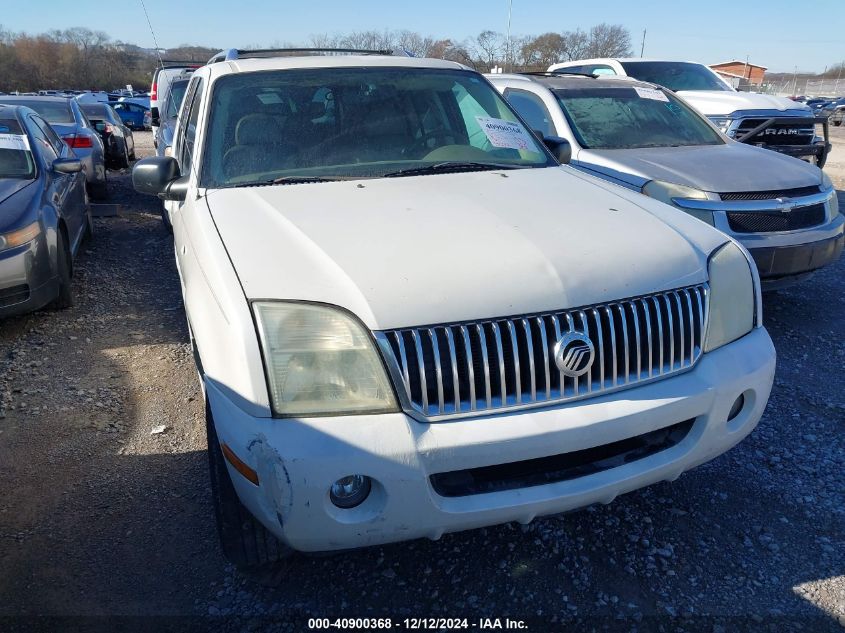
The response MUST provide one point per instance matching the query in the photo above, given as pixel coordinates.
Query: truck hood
(422, 250)
(723, 102)
(718, 168)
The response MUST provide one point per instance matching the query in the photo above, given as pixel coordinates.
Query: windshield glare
(675, 75)
(15, 160)
(625, 118)
(358, 123)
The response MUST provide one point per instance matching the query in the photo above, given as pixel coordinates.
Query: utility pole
(642, 48)
(795, 82)
(839, 74)
(508, 63)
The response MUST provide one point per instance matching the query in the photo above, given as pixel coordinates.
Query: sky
(781, 35)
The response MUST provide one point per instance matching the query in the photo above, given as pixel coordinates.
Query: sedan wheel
(65, 270)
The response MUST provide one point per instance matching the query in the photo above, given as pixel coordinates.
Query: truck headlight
(721, 122)
(320, 361)
(732, 297)
(668, 191)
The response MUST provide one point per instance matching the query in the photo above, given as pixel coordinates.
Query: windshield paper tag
(508, 134)
(652, 93)
(14, 141)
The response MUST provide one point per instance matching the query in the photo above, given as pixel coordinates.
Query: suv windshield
(359, 123)
(15, 156)
(174, 99)
(631, 117)
(675, 75)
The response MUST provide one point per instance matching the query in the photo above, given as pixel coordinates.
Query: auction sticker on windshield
(14, 141)
(652, 93)
(502, 133)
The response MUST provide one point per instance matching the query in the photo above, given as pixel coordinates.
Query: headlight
(732, 298)
(19, 237)
(721, 122)
(320, 361)
(668, 191)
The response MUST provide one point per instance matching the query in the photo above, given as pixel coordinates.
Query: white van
(162, 77)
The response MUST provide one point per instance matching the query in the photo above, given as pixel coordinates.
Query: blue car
(134, 115)
(44, 214)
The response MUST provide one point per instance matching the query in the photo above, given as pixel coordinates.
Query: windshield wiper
(446, 167)
(295, 180)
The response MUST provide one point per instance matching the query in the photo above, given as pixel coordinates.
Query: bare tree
(488, 49)
(538, 53)
(609, 40)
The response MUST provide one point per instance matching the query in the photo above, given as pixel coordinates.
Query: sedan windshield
(57, 112)
(632, 117)
(337, 123)
(15, 155)
(675, 75)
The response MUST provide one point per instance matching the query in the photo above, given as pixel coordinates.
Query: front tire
(244, 540)
(64, 266)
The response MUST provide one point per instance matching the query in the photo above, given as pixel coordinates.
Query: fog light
(737, 407)
(350, 491)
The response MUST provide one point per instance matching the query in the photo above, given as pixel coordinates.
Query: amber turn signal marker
(240, 466)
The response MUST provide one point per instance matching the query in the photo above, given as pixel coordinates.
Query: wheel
(245, 542)
(64, 266)
(838, 122)
(100, 190)
(132, 153)
(124, 162)
(89, 226)
(165, 219)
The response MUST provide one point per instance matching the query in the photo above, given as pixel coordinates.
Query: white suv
(409, 320)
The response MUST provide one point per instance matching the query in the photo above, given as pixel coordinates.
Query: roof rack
(556, 73)
(234, 53)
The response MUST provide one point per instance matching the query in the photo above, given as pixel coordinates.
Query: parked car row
(44, 213)
(421, 300)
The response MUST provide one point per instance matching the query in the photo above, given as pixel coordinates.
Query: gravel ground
(103, 517)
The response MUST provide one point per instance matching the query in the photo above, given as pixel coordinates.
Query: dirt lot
(102, 517)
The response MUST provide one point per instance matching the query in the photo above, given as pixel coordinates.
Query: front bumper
(297, 460)
(782, 257)
(27, 280)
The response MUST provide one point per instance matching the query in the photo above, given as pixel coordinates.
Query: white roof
(255, 64)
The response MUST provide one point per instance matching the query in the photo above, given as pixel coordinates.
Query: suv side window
(188, 125)
(531, 108)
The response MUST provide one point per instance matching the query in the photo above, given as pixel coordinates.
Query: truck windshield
(632, 117)
(15, 157)
(359, 123)
(675, 75)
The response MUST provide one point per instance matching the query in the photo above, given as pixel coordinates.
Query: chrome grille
(771, 194)
(461, 369)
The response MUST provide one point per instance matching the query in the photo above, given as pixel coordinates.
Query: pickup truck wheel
(245, 542)
(838, 123)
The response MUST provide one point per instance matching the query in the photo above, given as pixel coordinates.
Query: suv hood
(718, 168)
(420, 250)
(724, 102)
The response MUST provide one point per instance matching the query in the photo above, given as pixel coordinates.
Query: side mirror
(159, 176)
(559, 147)
(67, 165)
(155, 118)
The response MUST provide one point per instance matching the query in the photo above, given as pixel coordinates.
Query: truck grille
(776, 134)
(499, 364)
(763, 222)
(770, 195)
(13, 295)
